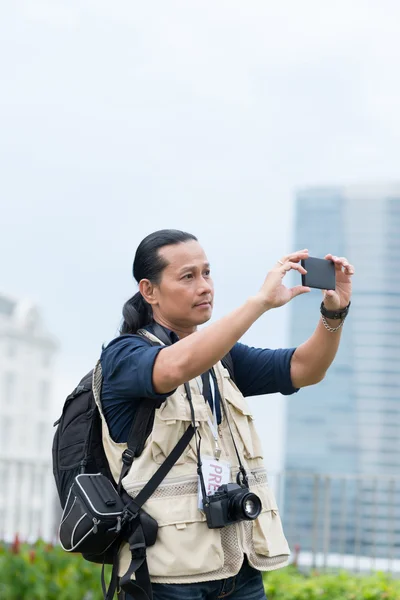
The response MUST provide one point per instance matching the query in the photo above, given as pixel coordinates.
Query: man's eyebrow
(191, 267)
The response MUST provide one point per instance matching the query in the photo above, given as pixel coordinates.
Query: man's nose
(205, 286)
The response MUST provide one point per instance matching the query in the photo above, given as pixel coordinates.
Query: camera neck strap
(198, 444)
(242, 475)
(208, 391)
(210, 380)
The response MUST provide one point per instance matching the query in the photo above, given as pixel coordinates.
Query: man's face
(185, 294)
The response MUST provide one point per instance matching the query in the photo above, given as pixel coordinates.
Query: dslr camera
(231, 503)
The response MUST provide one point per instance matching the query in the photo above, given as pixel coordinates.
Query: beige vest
(186, 550)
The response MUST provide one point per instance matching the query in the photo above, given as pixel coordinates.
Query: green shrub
(290, 584)
(44, 572)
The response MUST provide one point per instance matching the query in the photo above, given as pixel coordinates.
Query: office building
(349, 424)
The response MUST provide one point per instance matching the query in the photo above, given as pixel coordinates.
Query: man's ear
(148, 291)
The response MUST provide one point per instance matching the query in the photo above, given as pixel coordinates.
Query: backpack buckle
(129, 515)
(127, 457)
(138, 550)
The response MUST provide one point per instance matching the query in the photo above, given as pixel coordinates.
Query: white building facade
(27, 351)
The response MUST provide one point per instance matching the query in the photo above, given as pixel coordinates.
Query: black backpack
(78, 446)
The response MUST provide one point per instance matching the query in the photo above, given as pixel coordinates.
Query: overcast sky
(119, 118)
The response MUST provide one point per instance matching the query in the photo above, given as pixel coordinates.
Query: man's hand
(273, 293)
(340, 297)
(312, 359)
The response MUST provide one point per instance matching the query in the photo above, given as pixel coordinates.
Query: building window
(5, 433)
(42, 438)
(11, 349)
(9, 388)
(46, 359)
(44, 395)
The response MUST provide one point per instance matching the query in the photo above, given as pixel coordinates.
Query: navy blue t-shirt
(127, 365)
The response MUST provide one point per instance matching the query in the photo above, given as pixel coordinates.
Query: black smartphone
(320, 274)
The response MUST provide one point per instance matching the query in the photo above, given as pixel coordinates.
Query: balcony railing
(349, 521)
(28, 505)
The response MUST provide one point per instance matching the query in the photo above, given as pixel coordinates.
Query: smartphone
(320, 274)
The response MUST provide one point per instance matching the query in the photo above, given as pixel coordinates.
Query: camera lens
(245, 506)
(250, 508)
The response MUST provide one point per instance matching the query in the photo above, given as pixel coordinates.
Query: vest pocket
(268, 537)
(171, 422)
(185, 546)
(243, 420)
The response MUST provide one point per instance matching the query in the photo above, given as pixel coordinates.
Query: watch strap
(335, 314)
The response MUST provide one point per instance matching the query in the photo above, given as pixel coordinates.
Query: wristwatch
(335, 314)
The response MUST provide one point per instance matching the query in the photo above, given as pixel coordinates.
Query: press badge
(215, 473)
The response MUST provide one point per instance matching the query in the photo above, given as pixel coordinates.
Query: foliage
(44, 572)
(290, 584)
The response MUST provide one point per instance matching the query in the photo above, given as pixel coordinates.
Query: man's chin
(201, 319)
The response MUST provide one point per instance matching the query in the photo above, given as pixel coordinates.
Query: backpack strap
(160, 333)
(227, 362)
(136, 504)
(140, 589)
(141, 427)
(142, 424)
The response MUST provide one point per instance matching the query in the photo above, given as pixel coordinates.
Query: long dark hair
(148, 264)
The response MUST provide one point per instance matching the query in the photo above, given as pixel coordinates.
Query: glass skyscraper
(349, 424)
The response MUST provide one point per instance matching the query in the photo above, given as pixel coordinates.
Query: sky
(121, 118)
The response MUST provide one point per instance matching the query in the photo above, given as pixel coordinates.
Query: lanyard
(213, 425)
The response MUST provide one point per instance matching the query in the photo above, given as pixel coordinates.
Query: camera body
(230, 504)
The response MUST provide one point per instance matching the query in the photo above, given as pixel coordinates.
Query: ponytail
(137, 313)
